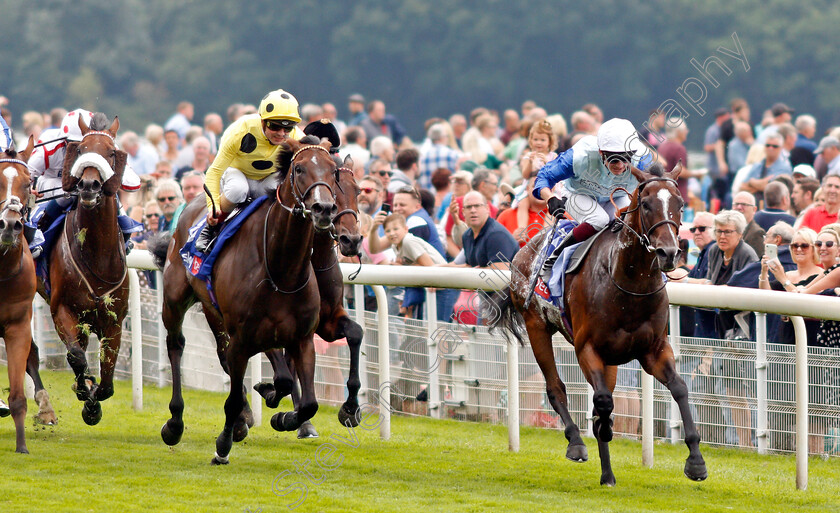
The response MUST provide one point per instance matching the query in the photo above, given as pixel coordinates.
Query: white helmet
(619, 136)
(70, 124)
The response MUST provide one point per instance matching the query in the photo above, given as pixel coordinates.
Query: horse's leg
(46, 414)
(175, 304)
(66, 324)
(237, 363)
(306, 429)
(602, 379)
(304, 360)
(349, 414)
(17, 351)
(662, 367)
(554, 386)
(283, 381)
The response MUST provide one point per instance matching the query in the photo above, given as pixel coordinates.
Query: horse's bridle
(346, 210)
(113, 162)
(299, 208)
(16, 206)
(644, 238)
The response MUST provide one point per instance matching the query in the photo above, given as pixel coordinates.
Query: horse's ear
(71, 153)
(675, 173)
(83, 126)
(24, 155)
(348, 162)
(326, 144)
(113, 184)
(115, 127)
(640, 175)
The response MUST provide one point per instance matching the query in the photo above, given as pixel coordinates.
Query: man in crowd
(803, 150)
(169, 199)
(753, 234)
(773, 165)
(141, 158)
(180, 121)
(486, 243)
(356, 106)
(370, 195)
(438, 155)
(803, 191)
(829, 148)
(213, 128)
(776, 206)
(201, 157)
(817, 217)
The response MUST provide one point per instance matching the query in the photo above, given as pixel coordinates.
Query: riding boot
(208, 234)
(545, 272)
(129, 244)
(29, 233)
(51, 213)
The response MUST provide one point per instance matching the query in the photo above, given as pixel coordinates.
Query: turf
(427, 466)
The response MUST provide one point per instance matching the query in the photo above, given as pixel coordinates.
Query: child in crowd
(541, 140)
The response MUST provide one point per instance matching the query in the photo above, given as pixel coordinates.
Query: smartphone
(386, 208)
(771, 250)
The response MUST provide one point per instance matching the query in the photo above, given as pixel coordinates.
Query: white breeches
(236, 187)
(586, 209)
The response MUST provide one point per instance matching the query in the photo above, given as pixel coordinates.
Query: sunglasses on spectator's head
(701, 229)
(828, 243)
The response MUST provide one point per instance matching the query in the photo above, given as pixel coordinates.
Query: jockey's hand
(556, 206)
(211, 219)
(35, 193)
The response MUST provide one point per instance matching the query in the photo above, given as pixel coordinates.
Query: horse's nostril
(333, 210)
(2, 224)
(18, 226)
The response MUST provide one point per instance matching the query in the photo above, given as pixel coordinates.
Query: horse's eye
(298, 169)
(645, 205)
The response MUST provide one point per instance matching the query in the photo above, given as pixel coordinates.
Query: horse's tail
(158, 245)
(498, 311)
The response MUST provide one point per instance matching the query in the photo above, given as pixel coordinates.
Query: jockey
(244, 165)
(591, 170)
(47, 162)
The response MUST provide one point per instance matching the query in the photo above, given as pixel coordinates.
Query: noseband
(299, 208)
(646, 233)
(346, 210)
(15, 204)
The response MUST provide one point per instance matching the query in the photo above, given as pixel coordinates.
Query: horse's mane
(284, 157)
(10, 153)
(99, 122)
(656, 169)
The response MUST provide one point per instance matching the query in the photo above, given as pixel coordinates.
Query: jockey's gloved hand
(557, 206)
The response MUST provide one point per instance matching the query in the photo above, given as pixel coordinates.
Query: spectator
(730, 253)
(486, 243)
(779, 115)
(407, 203)
(371, 195)
(485, 148)
(443, 193)
(829, 149)
(674, 152)
(407, 167)
(382, 148)
(169, 198)
(820, 215)
(309, 113)
(828, 247)
(752, 233)
(773, 165)
(596, 113)
(331, 113)
(136, 213)
(776, 206)
(154, 136)
(459, 125)
(739, 146)
(356, 106)
(192, 185)
(511, 130)
(715, 163)
(379, 123)
(453, 221)
(803, 150)
(213, 128)
(356, 147)
(803, 191)
(524, 230)
(202, 158)
(541, 142)
(142, 159)
(486, 183)
(172, 141)
(652, 129)
(382, 169)
(439, 155)
(583, 122)
(180, 121)
(703, 235)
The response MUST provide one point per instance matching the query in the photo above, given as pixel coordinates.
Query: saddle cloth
(200, 264)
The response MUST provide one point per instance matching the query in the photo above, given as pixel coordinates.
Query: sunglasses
(167, 198)
(772, 146)
(276, 126)
(801, 247)
(152, 216)
(743, 205)
(618, 156)
(368, 190)
(384, 172)
(701, 229)
(827, 243)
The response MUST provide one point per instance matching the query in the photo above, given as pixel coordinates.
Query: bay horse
(17, 278)
(334, 323)
(88, 275)
(617, 309)
(263, 287)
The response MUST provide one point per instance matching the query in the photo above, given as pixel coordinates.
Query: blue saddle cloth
(553, 293)
(200, 264)
(49, 237)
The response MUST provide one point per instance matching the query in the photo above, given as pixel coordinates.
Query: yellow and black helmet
(279, 105)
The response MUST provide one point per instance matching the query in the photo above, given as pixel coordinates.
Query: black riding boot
(545, 272)
(206, 237)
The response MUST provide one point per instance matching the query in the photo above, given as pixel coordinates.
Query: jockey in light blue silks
(591, 170)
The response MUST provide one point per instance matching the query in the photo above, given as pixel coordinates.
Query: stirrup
(545, 272)
(205, 239)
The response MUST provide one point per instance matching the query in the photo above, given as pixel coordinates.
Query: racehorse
(17, 278)
(334, 323)
(617, 309)
(88, 276)
(263, 287)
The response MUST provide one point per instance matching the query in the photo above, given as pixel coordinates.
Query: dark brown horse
(87, 269)
(618, 312)
(334, 323)
(264, 289)
(17, 279)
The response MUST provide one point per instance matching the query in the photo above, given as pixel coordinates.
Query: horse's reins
(298, 209)
(645, 238)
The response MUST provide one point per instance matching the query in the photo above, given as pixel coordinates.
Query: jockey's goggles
(617, 156)
(276, 125)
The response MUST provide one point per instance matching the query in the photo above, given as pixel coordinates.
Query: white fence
(745, 398)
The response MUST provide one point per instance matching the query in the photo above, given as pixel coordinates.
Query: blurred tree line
(138, 58)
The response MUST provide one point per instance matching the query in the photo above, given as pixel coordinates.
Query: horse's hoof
(348, 417)
(696, 471)
(218, 460)
(278, 421)
(240, 431)
(577, 453)
(101, 393)
(608, 480)
(264, 388)
(46, 418)
(307, 430)
(171, 432)
(91, 413)
(22, 450)
(81, 393)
